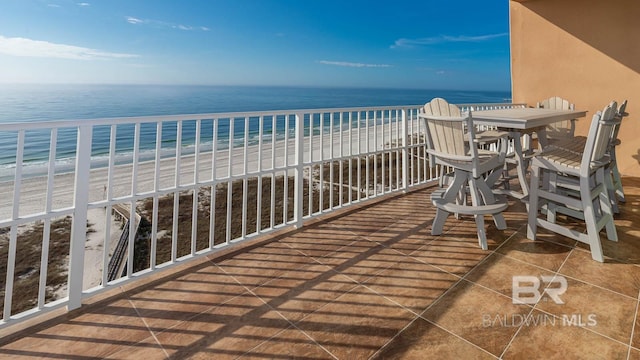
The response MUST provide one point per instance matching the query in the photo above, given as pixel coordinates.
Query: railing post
(299, 171)
(80, 208)
(405, 150)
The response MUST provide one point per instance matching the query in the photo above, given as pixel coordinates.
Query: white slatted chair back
(599, 139)
(440, 107)
(619, 115)
(616, 193)
(560, 129)
(446, 129)
(447, 135)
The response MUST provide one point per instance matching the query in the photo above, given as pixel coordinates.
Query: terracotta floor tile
(470, 312)
(466, 230)
(361, 259)
(548, 341)
(293, 299)
(262, 264)
(356, 250)
(612, 275)
(403, 235)
(355, 325)
(319, 240)
(516, 214)
(163, 305)
(412, 284)
(453, 255)
(544, 235)
(148, 349)
(363, 224)
(635, 340)
(497, 272)
(600, 310)
(411, 240)
(627, 248)
(99, 332)
(540, 253)
(424, 340)
(226, 331)
(288, 344)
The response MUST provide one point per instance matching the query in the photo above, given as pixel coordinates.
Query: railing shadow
(349, 282)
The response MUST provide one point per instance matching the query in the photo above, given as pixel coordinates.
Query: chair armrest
(490, 136)
(449, 156)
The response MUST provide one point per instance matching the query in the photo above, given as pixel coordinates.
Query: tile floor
(369, 283)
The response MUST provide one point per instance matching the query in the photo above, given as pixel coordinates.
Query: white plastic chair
(592, 202)
(452, 143)
(562, 129)
(613, 180)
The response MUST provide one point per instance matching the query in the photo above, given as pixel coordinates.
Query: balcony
(346, 274)
(368, 281)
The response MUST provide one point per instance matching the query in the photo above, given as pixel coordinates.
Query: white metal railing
(198, 182)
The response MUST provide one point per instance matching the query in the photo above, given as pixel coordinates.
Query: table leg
(521, 162)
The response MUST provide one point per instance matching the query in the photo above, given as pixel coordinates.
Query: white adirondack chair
(452, 143)
(613, 180)
(588, 168)
(562, 129)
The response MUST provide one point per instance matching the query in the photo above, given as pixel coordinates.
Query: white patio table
(523, 121)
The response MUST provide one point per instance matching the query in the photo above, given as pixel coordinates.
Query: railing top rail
(27, 125)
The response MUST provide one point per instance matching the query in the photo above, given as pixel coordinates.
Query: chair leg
(611, 190)
(450, 195)
(461, 199)
(475, 201)
(590, 219)
(617, 181)
(505, 176)
(550, 180)
(606, 206)
(489, 198)
(438, 221)
(533, 203)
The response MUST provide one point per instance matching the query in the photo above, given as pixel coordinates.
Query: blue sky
(427, 44)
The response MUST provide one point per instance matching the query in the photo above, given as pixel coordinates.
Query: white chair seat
(486, 161)
(562, 157)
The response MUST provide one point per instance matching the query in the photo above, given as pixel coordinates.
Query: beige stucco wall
(587, 51)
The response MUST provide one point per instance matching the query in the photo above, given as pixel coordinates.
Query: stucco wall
(587, 51)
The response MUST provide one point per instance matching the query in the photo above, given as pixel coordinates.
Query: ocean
(32, 103)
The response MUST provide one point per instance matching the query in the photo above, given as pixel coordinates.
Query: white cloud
(83, 4)
(353, 64)
(18, 46)
(406, 43)
(132, 20)
(53, 5)
(158, 23)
